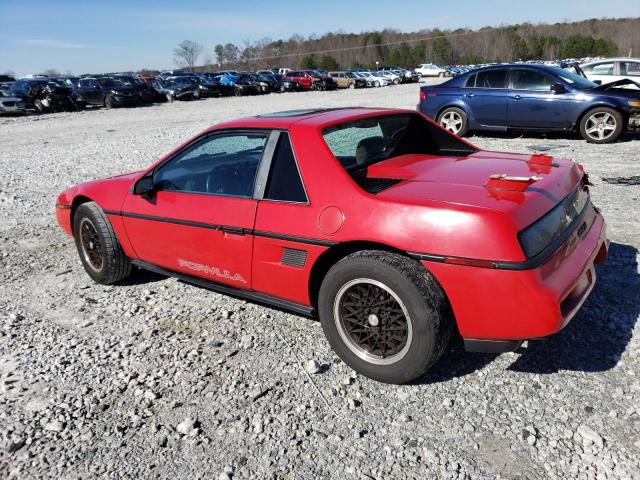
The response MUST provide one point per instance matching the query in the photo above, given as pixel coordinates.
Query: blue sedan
(532, 97)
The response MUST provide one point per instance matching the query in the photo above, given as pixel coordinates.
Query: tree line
(335, 50)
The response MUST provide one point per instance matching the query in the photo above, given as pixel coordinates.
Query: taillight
(422, 95)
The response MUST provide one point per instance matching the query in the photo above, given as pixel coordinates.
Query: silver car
(10, 104)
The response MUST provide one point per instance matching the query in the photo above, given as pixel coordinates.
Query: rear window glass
(359, 143)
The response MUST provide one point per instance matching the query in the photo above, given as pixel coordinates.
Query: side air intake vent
(293, 257)
(376, 185)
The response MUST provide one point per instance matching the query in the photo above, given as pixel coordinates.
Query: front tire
(100, 252)
(454, 120)
(601, 125)
(108, 102)
(384, 315)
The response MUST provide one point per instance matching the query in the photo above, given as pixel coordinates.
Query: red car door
(302, 78)
(199, 217)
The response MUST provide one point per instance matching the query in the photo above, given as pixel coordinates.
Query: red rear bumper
(492, 304)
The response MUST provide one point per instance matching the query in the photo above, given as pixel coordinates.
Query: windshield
(107, 82)
(572, 78)
(361, 143)
(128, 81)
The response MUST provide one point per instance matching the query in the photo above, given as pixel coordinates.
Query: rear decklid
(524, 186)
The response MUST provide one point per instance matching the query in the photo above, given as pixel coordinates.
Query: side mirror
(598, 82)
(558, 88)
(144, 186)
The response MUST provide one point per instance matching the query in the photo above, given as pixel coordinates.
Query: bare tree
(187, 53)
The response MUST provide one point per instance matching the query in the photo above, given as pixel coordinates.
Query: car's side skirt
(257, 297)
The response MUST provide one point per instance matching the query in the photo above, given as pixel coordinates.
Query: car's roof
(613, 59)
(311, 117)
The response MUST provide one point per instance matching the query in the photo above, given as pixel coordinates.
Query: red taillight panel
(422, 95)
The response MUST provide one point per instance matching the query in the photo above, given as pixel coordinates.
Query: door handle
(516, 97)
(470, 95)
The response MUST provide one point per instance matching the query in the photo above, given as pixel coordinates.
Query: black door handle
(234, 230)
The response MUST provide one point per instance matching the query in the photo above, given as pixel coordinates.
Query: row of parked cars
(46, 94)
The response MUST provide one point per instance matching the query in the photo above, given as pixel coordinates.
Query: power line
(372, 45)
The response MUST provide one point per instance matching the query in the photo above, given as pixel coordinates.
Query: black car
(176, 88)
(43, 94)
(146, 92)
(287, 84)
(207, 87)
(104, 91)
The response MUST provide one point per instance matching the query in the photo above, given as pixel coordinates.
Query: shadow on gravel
(140, 277)
(593, 341)
(597, 336)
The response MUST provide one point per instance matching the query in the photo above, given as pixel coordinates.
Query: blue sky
(83, 36)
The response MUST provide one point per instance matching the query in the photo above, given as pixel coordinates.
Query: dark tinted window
(284, 181)
(471, 81)
(530, 80)
(220, 165)
(491, 79)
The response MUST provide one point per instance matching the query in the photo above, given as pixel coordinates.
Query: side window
(491, 79)
(471, 81)
(284, 181)
(83, 83)
(218, 165)
(631, 69)
(529, 80)
(599, 69)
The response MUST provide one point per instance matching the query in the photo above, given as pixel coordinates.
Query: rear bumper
(515, 305)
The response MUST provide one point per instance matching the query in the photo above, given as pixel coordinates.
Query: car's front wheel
(98, 247)
(384, 315)
(601, 125)
(455, 120)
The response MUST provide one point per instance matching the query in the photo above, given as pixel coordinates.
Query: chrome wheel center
(373, 319)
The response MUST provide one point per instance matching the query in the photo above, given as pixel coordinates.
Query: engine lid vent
(376, 185)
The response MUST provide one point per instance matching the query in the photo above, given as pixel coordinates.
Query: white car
(372, 80)
(613, 69)
(430, 70)
(390, 76)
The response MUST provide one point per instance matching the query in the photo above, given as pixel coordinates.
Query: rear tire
(454, 120)
(601, 125)
(100, 252)
(384, 315)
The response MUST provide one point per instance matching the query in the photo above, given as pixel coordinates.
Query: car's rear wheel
(454, 120)
(601, 125)
(97, 244)
(384, 315)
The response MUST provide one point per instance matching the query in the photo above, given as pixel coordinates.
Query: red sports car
(392, 230)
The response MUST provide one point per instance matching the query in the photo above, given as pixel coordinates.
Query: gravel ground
(159, 379)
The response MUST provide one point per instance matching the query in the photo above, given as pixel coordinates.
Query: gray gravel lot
(158, 379)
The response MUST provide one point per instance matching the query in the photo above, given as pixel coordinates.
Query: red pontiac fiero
(392, 230)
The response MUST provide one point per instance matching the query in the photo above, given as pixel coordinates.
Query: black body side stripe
(529, 264)
(224, 228)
